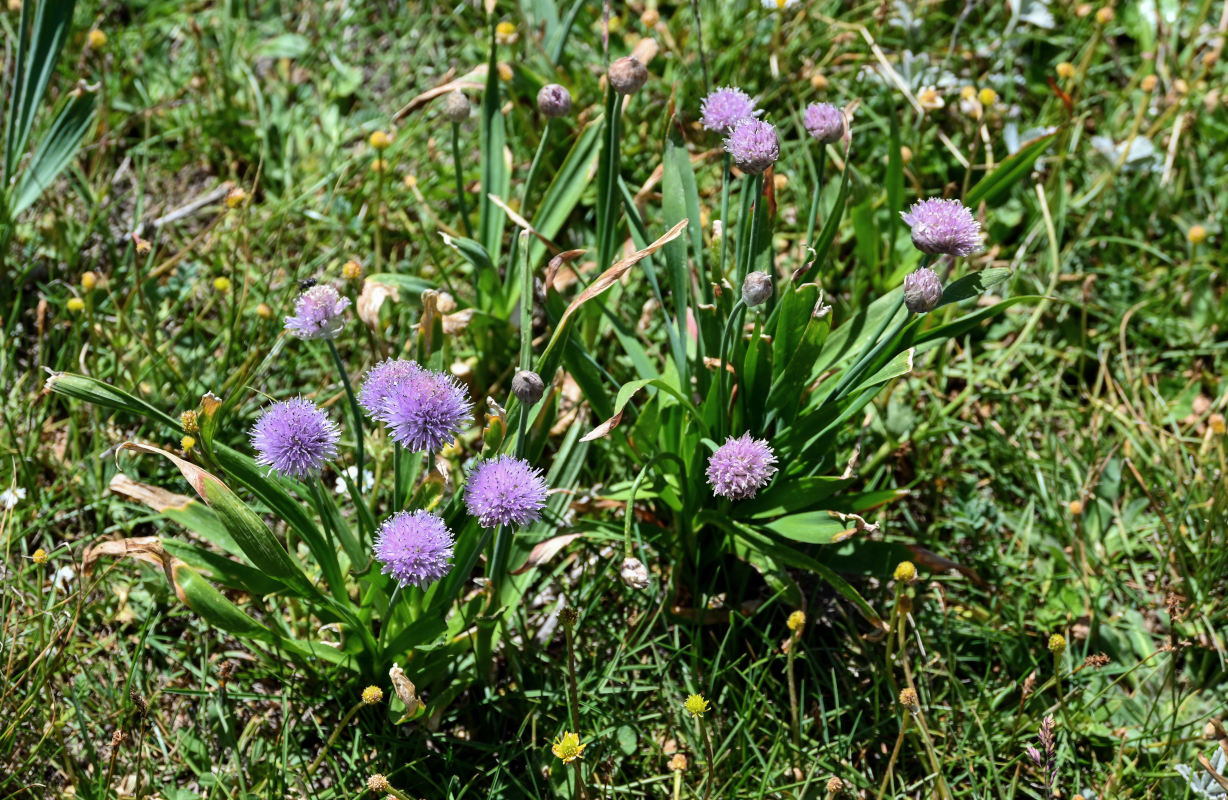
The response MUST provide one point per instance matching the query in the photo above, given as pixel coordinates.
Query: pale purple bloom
(725, 107)
(741, 467)
(425, 410)
(414, 547)
(317, 313)
(754, 145)
(380, 382)
(922, 291)
(505, 491)
(295, 438)
(824, 122)
(943, 227)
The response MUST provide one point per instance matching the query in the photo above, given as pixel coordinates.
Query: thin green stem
(756, 189)
(462, 206)
(815, 197)
(379, 204)
(398, 491)
(711, 777)
(319, 759)
(357, 413)
(720, 378)
(725, 185)
(537, 157)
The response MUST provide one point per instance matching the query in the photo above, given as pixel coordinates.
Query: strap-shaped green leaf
(55, 150)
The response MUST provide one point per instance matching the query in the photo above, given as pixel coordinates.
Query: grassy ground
(1063, 465)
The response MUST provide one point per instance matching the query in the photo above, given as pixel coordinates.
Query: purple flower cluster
(741, 467)
(414, 547)
(824, 122)
(753, 145)
(295, 438)
(943, 227)
(422, 408)
(505, 491)
(317, 313)
(725, 107)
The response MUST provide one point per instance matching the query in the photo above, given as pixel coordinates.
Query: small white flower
(9, 498)
(368, 480)
(777, 5)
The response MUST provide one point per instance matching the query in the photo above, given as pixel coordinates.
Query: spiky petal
(318, 313)
(295, 438)
(824, 122)
(943, 227)
(414, 547)
(505, 491)
(753, 145)
(725, 107)
(741, 467)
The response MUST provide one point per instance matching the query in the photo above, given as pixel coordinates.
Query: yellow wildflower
(568, 748)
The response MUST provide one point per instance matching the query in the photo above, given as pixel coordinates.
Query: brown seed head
(628, 75)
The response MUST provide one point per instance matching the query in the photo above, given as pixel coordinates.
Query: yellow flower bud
(819, 82)
(264, 311)
(96, 39)
(89, 280)
(222, 284)
(678, 763)
(1197, 234)
(1076, 507)
(40, 556)
(505, 72)
(796, 621)
(1105, 15)
(909, 699)
(372, 695)
(1065, 70)
(1057, 644)
(505, 32)
(696, 705)
(379, 140)
(905, 572)
(187, 443)
(351, 270)
(1216, 423)
(236, 197)
(988, 97)
(1148, 83)
(650, 18)
(76, 305)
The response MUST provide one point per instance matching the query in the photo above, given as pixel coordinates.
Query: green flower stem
(397, 489)
(383, 629)
(379, 204)
(756, 190)
(725, 184)
(814, 199)
(699, 40)
(794, 715)
(357, 413)
(711, 777)
(537, 157)
(319, 759)
(573, 691)
(720, 377)
(460, 181)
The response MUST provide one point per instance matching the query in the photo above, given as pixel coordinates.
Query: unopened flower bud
(89, 280)
(634, 573)
(905, 572)
(628, 75)
(528, 387)
(554, 100)
(1057, 644)
(922, 291)
(756, 289)
(456, 107)
(377, 783)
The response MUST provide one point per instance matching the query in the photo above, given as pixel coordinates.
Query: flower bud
(554, 100)
(528, 387)
(456, 107)
(756, 289)
(634, 573)
(922, 291)
(628, 75)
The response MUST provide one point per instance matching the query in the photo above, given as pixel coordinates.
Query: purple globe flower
(295, 438)
(741, 467)
(824, 122)
(725, 107)
(922, 291)
(414, 547)
(505, 491)
(381, 381)
(425, 410)
(754, 145)
(943, 227)
(317, 313)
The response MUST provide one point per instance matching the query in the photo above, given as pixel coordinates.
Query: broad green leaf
(1009, 172)
(55, 149)
(43, 30)
(812, 527)
(101, 394)
(973, 285)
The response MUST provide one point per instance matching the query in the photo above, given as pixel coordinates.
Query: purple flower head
(824, 121)
(381, 381)
(317, 313)
(295, 438)
(922, 291)
(943, 227)
(741, 467)
(754, 145)
(505, 491)
(414, 547)
(724, 108)
(425, 410)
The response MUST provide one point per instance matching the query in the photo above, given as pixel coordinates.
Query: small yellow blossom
(89, 280)
(1076, 507)
(650, 18)
(372, 695)
(909, 699)
(1105, 15)
(187, 442)
(819, 82)
(1216, 423)
(189, 422)
(505, 71)
(1057, 644)
(96, 39)
(1148, 83)
(568, 748)
(967, 93)
(76, 305)
(678, 763)
(377, 784)
(905, 153)
(236, 197)
(40, 556)
(987, 97)
(930, 99)
(696, 705)
(264, 311)
(379, 165)
(1197, 234)
(505, 32)
(1065, 70)
(222, 284)
(142, 245)
(796, 621)
(379, 140)
(351, 270)
(905, 572)
(410, 181)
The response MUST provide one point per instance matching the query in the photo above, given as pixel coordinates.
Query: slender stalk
(537, 157)
(398, 491)
(379, 205)
(383, 629)
(573, 691)
(711, 777)
(357, 413)
(794, 715)
(699, 38)
(815, 199)
(725, 184)
(895, 753)
(720, 378)
(756, 189)
(319, 759)
(460, 181)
